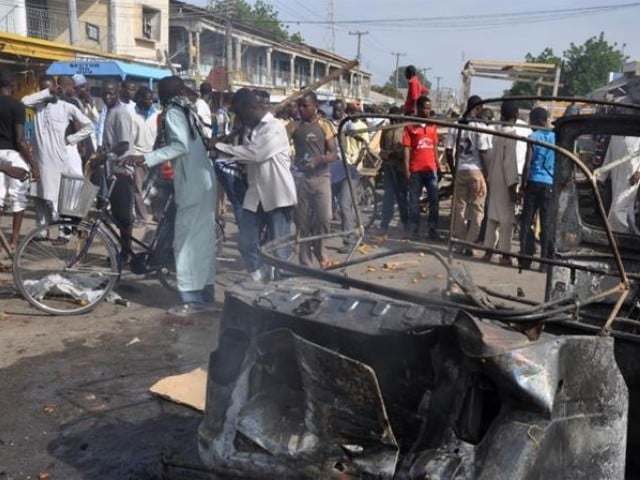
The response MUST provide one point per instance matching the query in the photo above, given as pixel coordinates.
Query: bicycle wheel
(367, 202)
(64, 269)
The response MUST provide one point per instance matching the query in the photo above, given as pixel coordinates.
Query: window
(150, 23)
(92, 32)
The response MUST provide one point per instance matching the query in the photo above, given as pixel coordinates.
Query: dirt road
(74, 390)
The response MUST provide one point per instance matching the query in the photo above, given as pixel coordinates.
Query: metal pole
(113, 22)
(73, 22)
(397, 55)
(359, 57)
(438, 96)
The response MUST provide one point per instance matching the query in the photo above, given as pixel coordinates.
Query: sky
(442, 35)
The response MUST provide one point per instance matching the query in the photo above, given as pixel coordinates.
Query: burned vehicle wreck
(337, 377)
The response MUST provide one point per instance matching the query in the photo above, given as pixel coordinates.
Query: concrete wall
(129, 28)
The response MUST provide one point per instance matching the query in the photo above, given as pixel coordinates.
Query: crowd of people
(277, 169)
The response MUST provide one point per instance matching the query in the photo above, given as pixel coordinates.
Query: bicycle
(69, 274)
(367, 202)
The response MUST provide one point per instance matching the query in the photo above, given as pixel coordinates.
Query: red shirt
(423, 141)
(414, 91)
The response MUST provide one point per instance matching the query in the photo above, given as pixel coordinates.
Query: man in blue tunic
(195, 195)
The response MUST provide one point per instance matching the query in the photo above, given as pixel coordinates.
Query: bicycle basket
(76, 196)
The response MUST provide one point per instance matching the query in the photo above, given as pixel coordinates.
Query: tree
(296, 38)
(586, 67)
(261, 15)
(583, 67)
(388, 90)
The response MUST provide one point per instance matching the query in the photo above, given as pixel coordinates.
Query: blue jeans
(278, 225)
(342, 195)
(395, 191)
(417, 180)
(235, 186)
(537, 198)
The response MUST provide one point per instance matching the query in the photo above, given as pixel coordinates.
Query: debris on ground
(185, 389)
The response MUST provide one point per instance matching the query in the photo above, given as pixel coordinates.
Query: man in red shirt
(420, 143)
(414, 90)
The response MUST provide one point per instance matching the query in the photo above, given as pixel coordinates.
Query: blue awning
(107, 68)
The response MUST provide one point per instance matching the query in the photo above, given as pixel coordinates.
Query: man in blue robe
(195, 198)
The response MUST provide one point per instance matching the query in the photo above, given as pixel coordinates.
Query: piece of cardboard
(188, 389)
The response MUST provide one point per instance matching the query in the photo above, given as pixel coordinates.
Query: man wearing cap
(195, 193)
(86, 105)
(470, 187)
(50, 139)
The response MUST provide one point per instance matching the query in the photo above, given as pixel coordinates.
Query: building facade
(232, 56)
(200, 45)
(33, 33)
(133, 28)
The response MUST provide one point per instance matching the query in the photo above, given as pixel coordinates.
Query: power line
(473, 19)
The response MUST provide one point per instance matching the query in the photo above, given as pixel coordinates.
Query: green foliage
(387, 89)
(296, 38)
(584, 68)
(262, 15)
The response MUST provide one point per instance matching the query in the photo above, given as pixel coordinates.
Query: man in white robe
(52, 117)
(195, 195)
(503, 180)
(624, 182)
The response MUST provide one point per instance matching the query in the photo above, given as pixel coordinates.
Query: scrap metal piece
(344, 392)
(309, 407)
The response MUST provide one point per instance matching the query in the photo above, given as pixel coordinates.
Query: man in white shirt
(522, 130)
(271, 191)
(203, 110)
(470, 185)
(145, 121)
(127, 94)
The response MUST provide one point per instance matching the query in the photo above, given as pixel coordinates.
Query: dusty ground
(74, 390)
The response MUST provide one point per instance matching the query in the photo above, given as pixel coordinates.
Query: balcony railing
(43, 24)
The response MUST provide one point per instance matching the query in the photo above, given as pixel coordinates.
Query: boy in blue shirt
(536, 186)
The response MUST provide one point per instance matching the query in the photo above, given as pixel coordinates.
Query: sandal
(188, 309)
(328, 263)
(60, 241)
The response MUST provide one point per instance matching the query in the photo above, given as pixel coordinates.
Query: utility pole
(229, 11)
(359, 33)
(397, 55)
(438, 96)
(113, 30)
(331, 26)
(73, 22)
(424, 72)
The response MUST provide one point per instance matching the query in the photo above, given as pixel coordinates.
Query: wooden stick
(315, 85)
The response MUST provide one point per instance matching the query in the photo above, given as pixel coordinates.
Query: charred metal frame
(559, 310)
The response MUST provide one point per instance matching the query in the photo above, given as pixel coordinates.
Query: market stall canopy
(107, 68)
